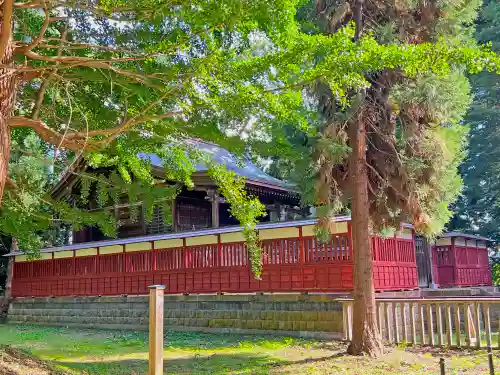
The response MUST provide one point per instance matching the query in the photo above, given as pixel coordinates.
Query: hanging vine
(245, 208)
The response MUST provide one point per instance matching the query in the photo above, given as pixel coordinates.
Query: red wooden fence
(297, 264)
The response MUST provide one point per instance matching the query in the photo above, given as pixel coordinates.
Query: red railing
(299, 264)
(394, 263)
(457, 265)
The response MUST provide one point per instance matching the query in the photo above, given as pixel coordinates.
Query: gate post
(156, 298)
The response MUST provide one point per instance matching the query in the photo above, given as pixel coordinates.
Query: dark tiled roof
(241, 166)
(465, 235)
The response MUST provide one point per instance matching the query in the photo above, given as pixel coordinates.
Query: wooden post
(156, 329)
(422, 325)
(214, 198)
(430, 325)
(174, 215)
(350, 309)
(380, 317)
(439, 317)
(302, 257)
(456, 307)
(449, 326)
(498, 334)
(468, 336)
(345, 321)
(405, 322)
(413, 324)
(395, 322)
(388, 322)
(477, 317)
(487, 324)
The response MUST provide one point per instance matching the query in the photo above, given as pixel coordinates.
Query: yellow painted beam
(86, 252)
(201, 240)
(443, 241)
(308, 230)
(232, 237)
(168, 244)
(275, 233)
(63, 254)
(338, 227)
(471, 243)
(139, 246)
(21, 258)
(111, 249)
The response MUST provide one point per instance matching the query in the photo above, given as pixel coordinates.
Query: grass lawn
(113, 352)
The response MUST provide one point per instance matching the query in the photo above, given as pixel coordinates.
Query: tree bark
(8, 83)
(366, 336)
(5, 302)
(10, 271)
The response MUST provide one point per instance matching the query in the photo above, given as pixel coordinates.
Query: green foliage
(478, 208)
(128, 79)
(244, 208)
(416, 138)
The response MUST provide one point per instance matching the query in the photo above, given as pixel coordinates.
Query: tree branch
(358, 18)
(10, 183)
(35, 42)
(121, 128)
(6, 31)
(41, 91)
(86, 61)
(51, 136)
(28, 5)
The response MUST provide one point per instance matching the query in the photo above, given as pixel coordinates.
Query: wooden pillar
(174, 215)
(429, 254)
(156, 329)
(214, 198)
(454, 260)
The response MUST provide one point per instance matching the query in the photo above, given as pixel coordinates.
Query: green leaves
(247, 210)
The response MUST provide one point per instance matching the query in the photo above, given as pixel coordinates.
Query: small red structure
(216, 260)
(460, 259)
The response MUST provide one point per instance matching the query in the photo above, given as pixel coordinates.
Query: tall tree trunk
(5, 302)
(366, 337)
(10, 271)
(8, 83)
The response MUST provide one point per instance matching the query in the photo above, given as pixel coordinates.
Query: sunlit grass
(126, 353)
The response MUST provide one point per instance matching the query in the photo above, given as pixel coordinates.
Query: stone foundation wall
(290, 314)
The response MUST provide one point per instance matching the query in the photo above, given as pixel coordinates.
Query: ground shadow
(197, 364)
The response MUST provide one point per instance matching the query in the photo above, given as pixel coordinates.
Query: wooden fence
(460, 322)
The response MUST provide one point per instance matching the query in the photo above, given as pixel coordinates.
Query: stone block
(309, 316)
(202, 322)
